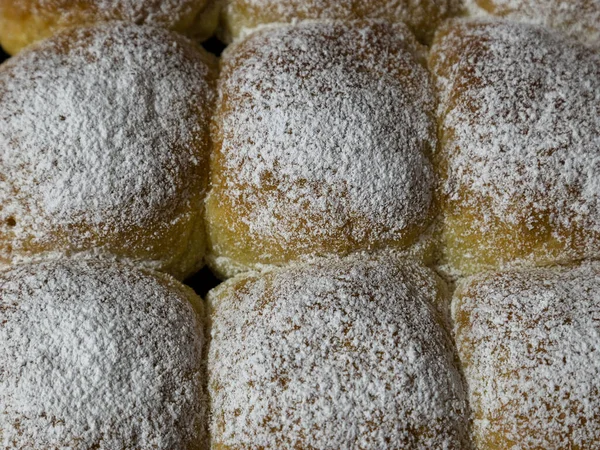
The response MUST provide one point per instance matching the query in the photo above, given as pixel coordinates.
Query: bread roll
(577, 18)
(422, 16)
(322, 135)
(340, 354)
(102, 356)
(104, 140)
(529, 344)
(520, 145)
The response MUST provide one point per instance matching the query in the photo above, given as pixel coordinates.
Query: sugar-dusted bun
(102, 356)
(578, 18)
(422, 16)
(339, 354)
(529, 344)
(520, 145)
(23, 22)
(322, 141)
(104, 143)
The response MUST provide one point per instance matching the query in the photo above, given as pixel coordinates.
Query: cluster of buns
(403, 198)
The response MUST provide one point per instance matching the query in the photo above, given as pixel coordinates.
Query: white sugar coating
(521, 120)
(534, 134)
(530, 348)
(99, 132)
(316, 127)
(105, 128)
(339, 354)
(578, 18)
(99, 356)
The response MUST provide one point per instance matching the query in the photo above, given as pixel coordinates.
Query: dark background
(214, 46)
(204, 280)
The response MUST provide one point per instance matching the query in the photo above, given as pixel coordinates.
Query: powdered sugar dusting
(102, 128)
(530, 346)
(521, 130)
(98, 356)
(578, 18)
(325, 130)
(339, 354)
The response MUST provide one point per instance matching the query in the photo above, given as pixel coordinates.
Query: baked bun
(578, 18)
(102, 356)
(104, 141)
(529, 344)
(422, 16)
(520, 145)
(23, 22)
(322, 136)
(339, 354)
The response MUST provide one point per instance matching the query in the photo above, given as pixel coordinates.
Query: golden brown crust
(422, 16)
